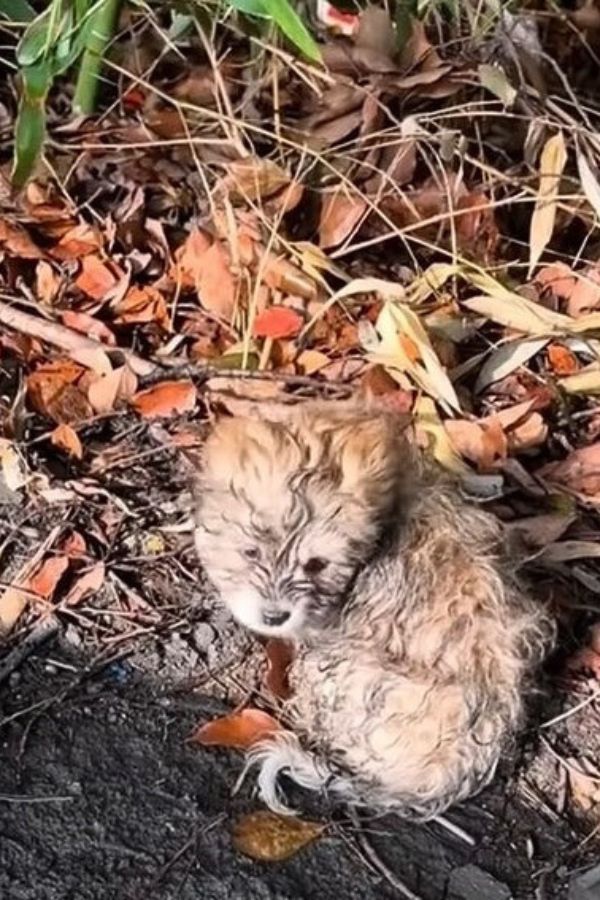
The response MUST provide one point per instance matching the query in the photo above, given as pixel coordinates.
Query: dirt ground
(102, 797)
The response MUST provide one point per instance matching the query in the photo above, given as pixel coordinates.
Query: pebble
(585, 885)
(13, 679)
(472, 883)
(50, 669)
(203, 636)
(72, 636)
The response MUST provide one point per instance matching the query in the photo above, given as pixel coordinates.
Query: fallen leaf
(240, 729)
(86, 324)
(265, 836)
(47, 282)
(277, 322)
(14, 467)
(311, 361)
(95, 278)
(165, 399)
(552, 163)
(281, 275)
(566, 551)
(584, 296)
(74, 545)
(432, 436)
(54, 392)
(579, 472)
(65, 438)
(17, 242)
(507, 359)
(280, 655)
(494, 79)
(589, 182)
(562, 360)
(585, 382)
(47, 575)
(143, 305)
(536, 532)
(340, 215)
(78, 242)
(585, 786)
(483, 442)
(215, 283)
(119, 384)
(253, 178)
(88, 583)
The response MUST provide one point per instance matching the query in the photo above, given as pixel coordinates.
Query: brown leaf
(579, 472)
(187, 256)
(120, 384)
(47, 282)
(17, 242)
(86, 324)
(87, 583)
(265, 836)
(253, 178)
(280, 655)
(143, 305)
(95, 278)
(483, 442)
(54, 392)
(240, 729)
(215, 283)
(585, 296)
(65, 438)
(311, 361)
(166, 399)
(339, 217)
(278, 322)
(282, 275)
(77, 243)
(74, 545)
(47, 575)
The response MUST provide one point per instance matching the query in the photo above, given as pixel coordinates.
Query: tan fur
(414, 645)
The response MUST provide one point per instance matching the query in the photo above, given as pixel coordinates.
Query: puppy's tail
(282, 754)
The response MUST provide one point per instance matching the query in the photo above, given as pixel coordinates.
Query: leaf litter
(377, 233)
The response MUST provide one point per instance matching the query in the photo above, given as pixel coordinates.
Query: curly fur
(414, 644)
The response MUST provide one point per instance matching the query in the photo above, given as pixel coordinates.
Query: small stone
(472, 883)
(72, 636)
(13, 679)
(585, 885)
(203, 636)
(50, 669)
(112, 717)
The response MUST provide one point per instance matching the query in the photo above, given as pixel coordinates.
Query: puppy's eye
(252, 553)
(314, 565)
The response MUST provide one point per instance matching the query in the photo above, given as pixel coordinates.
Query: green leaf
(16, 11)
(254, 8)
(35, 40)
(30, 131)
(286, 19)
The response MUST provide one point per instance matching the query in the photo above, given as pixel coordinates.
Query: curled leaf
(166, 399)
(267, 837)
(552, 163)
(240, 729)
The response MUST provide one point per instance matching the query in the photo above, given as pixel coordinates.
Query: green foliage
(283, 15)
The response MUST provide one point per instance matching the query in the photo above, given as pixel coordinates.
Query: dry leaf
(47, 575)
(14, 467)
(54, 392)
(584, 296)
(589, 182)
(311, 361)
(280, 655)
(282, 275)
(215, 283)
(483, 442)
(562, 360)
(95, 278)
(585, 382)
(240, 729)
(47, 282)
(74, 545)
(65, 438)
(579, 472)
(277, 322)
(143, 305)
(339, 217)
(166, 399)
(552, 163)
(120, 384)
(17, 242)
(87, 324)
(253, 178)
(78, 242)
(267, 837)
(87, 583)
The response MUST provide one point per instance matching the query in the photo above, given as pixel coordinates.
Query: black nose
(275, 619)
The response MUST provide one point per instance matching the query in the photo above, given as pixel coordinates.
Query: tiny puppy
(414, 645)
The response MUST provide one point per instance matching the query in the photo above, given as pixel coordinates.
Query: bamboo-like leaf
(589, 183)
(507, 359)
(494, 79)
(287, 20)
(16, 11)
(516, 312)
(585, 382)
(30, 131)
(552, 162)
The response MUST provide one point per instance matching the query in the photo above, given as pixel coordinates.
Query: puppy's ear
(373, 457)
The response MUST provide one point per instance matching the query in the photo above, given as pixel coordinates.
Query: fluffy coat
(414, 645)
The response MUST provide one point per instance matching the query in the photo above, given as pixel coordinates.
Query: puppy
(414, 646)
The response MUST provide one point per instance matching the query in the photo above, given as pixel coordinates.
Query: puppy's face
(287, 514)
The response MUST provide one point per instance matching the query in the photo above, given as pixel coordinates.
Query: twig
(42, 632)
(376, 862)
(570, 712)
(74, 344)
(7, 798)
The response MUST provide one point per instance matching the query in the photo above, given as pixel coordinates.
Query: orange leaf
(18, 243)
(65, 438)
(265, 836)
(562, 361)
(239, 729)
(143, 305)
(480, 443)
(215, 283)
(46, 577)
(54, 392)
(339, 217)
(187, 256)
(280, 655)
(166, 399)
(74, 545)
(95, 278)
(278, 322)
(78, 242)
(88, 583)
(87, 324)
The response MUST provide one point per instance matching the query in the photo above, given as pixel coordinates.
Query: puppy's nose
(275, 619)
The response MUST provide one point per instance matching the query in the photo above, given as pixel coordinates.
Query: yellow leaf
(516, 312)
(552, 163)
(430, 425)
(65, 438)
(584, 382)
(265, 836)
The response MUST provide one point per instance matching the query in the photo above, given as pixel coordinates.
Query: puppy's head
(288, 512)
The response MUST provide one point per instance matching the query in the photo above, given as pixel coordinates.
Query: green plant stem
(101, 33)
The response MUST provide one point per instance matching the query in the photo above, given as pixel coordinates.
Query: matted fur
(414, 644)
